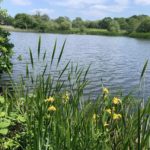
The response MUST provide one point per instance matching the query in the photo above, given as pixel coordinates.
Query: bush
(144, 26)
(114, 26)
(5, 52)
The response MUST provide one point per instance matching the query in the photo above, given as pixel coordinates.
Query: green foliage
(65, 25)
(11, 126)
(24, 21)
(140, 35)
(114, 26)
(43, 23)
(144, 26)
(77, 23)
(55, 116)
(5, 52)
(133, 25)
(122, 22)
(3, 15)
(104, 23)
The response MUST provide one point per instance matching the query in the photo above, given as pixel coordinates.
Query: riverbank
(71, 31)
(140, 35)
(12, 29)
(84, 31)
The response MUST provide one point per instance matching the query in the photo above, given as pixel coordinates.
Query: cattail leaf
(44, 56)
(27, 70)
(31, 58)
(64, 70)
(143, 70)
(86, 72)
(60, 55)
(54, 50)
(39, 47)
(44, 69)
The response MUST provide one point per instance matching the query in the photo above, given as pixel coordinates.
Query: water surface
(117, 61)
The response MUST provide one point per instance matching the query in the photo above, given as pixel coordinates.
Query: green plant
(56, 115)
(5, 52)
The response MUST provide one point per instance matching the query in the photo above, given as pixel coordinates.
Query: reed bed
(51, 116)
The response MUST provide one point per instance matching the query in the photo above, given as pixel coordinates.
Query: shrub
(114, 26)
(5, 52)
(144, 26)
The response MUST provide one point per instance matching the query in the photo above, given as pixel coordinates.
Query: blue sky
(87, 9)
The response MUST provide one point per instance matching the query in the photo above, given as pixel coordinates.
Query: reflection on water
(117, 61)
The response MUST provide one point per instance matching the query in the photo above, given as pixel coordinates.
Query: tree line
(43, 23)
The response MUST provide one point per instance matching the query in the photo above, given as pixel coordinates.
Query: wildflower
(106, 124)
(94, 117)
(116, 100)
(66, 97)
(105, 91)
(52, 108)
(108, 110)
(113, 108)
(117, 116)
(50, 99)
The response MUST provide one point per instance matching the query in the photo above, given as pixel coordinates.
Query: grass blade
(139, 128)
(44, 70)
(87, 72)
(64, 70)
(31, 58)
(143, 70)
(44, 56)
(39, 47)
(61, 53)
(54, 50)
(27, 71)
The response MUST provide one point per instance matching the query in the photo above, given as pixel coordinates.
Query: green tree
(51, 26)
(3, 14)
(65, 25)
(24, 21)
(5, 48)
(62, 19)
(9, 20)
(104, 23)
(144, 26)
(114, 26)
(122, 22)
(91, 24)
(45, 17)
(134, 22)
(78, 23)
(5, 51)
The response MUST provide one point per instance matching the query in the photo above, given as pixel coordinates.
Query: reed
(53, 116)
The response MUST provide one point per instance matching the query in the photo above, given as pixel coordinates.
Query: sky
(86, 9)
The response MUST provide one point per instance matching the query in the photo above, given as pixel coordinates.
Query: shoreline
(84, 32)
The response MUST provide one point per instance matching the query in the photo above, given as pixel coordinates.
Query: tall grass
(53, 116)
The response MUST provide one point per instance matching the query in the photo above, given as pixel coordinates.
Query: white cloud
(92, 8)
(47, 11)
(77, 3)
(21, 2)
(142, 2)
(117, 6)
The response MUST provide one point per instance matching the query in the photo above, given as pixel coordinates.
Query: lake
(117, 61)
